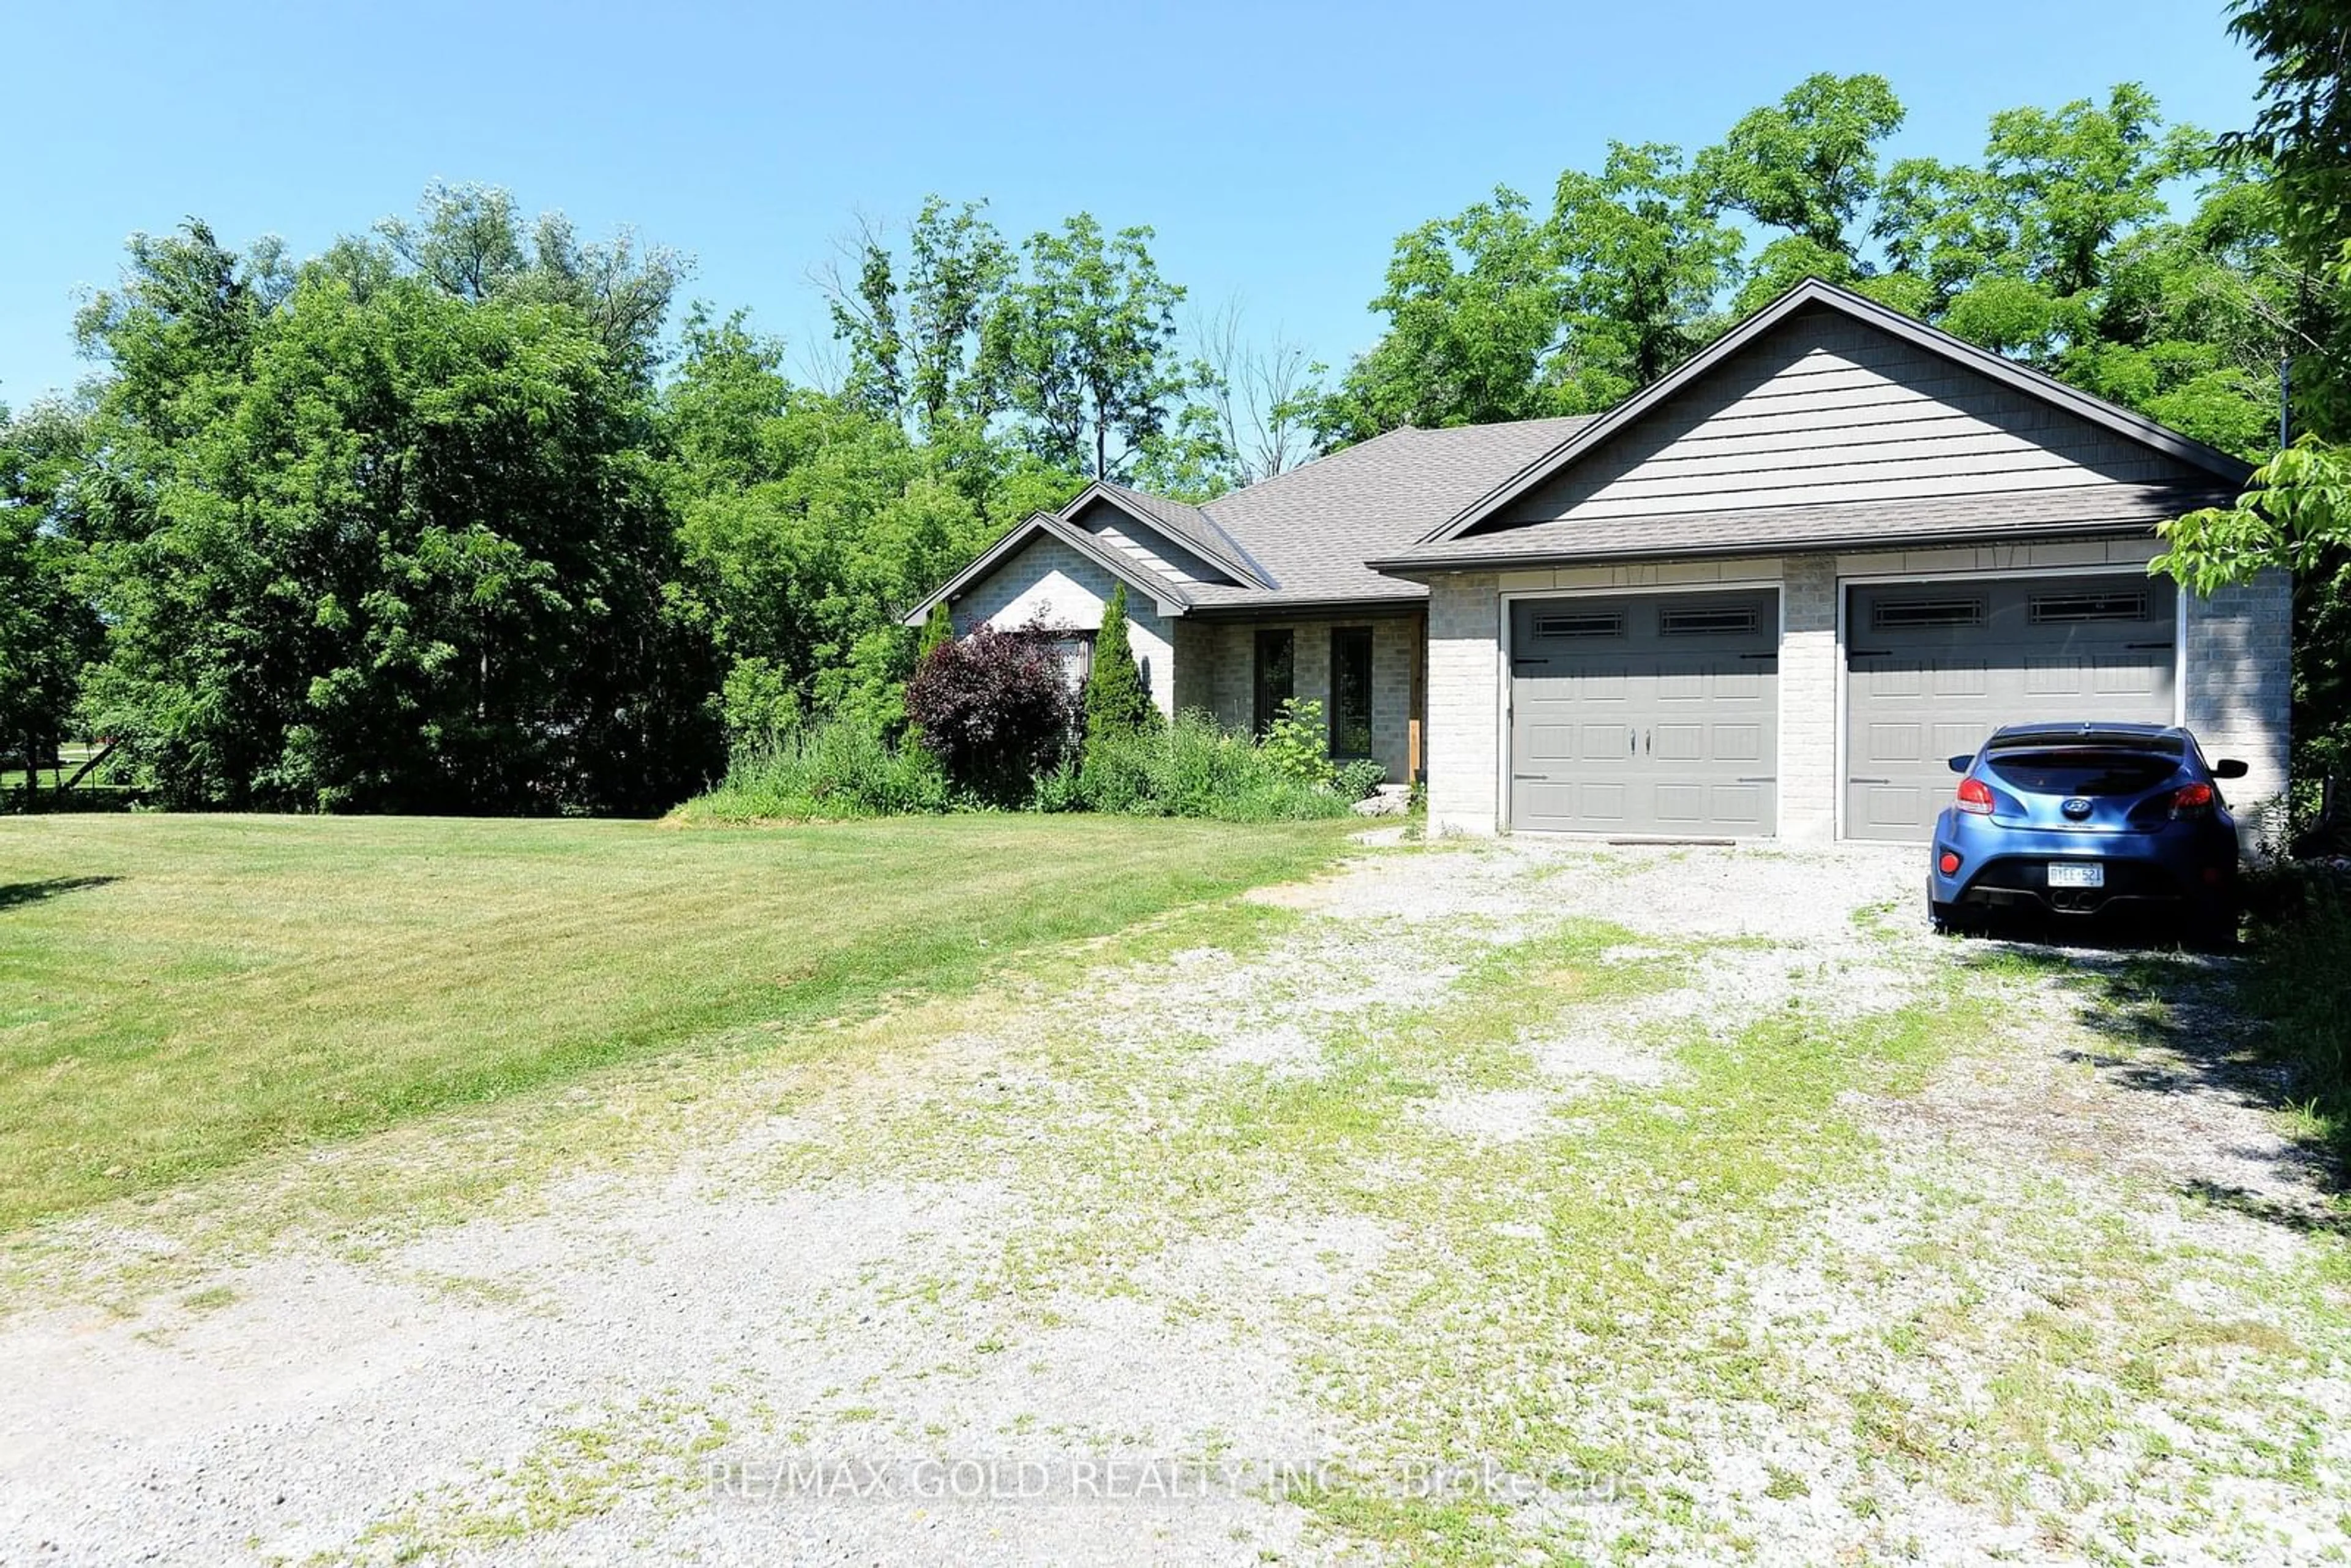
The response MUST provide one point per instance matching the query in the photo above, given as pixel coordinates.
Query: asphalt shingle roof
(1311, 531)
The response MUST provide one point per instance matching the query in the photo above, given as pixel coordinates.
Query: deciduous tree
(397, 552)
(1083, 347)
(48, 626)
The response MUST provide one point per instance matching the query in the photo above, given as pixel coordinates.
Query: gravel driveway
(1473, 1202)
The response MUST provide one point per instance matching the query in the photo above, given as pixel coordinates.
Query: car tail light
(1975, 796)
(1949, 862)
(2191, 800)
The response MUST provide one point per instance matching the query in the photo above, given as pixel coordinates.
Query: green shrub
(1116, 702)
(1356, 780)
(840, 768)
(844, 767)
(938, 627)
(758, 704)
(995, 709)
(1297, 747)
(1062, 789)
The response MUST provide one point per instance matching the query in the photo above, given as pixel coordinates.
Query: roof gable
(1171, 598)
(1826, 397)
(1186, 526)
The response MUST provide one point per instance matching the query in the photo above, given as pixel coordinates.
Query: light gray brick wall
(2239, 692)
(1231, 682)
(1047, 577)
(1195, 663)
(1396, 654)
(1465, 695)
(1231, 676)
(1809, 717)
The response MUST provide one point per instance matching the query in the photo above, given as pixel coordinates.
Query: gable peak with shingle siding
(1186, 527)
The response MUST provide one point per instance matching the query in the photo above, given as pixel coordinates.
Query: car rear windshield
(2076, 770)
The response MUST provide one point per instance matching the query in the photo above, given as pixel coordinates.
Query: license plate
(2076, 873)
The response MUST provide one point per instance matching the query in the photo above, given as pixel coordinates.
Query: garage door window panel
(1581, 627)
(2077, 608)
(1918, 614)
(1734, 621)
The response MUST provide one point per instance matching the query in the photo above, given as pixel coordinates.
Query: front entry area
(1933, 668)
(1650, 714)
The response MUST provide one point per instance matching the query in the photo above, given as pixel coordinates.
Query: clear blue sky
(1278, 149)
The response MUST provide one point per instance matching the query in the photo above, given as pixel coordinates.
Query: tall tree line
(2061, 245)
(450, 518)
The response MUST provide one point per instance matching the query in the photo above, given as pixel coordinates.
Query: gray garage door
(1934, 668)
(1654, 714)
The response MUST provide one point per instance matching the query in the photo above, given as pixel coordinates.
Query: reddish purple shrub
(997, 709)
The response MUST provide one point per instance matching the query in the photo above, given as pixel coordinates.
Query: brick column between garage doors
(1464, 701)
(1808, 699)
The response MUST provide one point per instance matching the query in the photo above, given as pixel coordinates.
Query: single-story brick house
(1768, 595)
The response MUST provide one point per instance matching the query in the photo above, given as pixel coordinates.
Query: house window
(2062, 608)
(1914, 614)
(1075, 650)
(1351, 692)
(1276, 674)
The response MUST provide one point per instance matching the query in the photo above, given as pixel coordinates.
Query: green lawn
(178, 992)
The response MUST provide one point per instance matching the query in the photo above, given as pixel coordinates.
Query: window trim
(1285, 637)
(1356, 637)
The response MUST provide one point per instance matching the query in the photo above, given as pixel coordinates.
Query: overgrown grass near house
(834, 771)
(1192, 767)
(179, 992)
(2298, 980)
(841, 770)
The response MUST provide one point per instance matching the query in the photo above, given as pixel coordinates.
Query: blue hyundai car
(2080, 819)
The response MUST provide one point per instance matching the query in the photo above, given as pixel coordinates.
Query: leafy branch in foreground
(2296, 518)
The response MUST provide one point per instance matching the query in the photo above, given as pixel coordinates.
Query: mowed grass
(178, 993)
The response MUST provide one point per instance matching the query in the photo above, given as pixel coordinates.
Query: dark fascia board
(1169, 599)
(1222, 551)
(1812, 291)
(1392, 607)
(1419, 569)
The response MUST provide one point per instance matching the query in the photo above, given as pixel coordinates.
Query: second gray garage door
(1645, 714)
(1932, 668)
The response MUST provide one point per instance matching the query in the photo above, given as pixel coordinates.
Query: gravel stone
(554, 1381)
